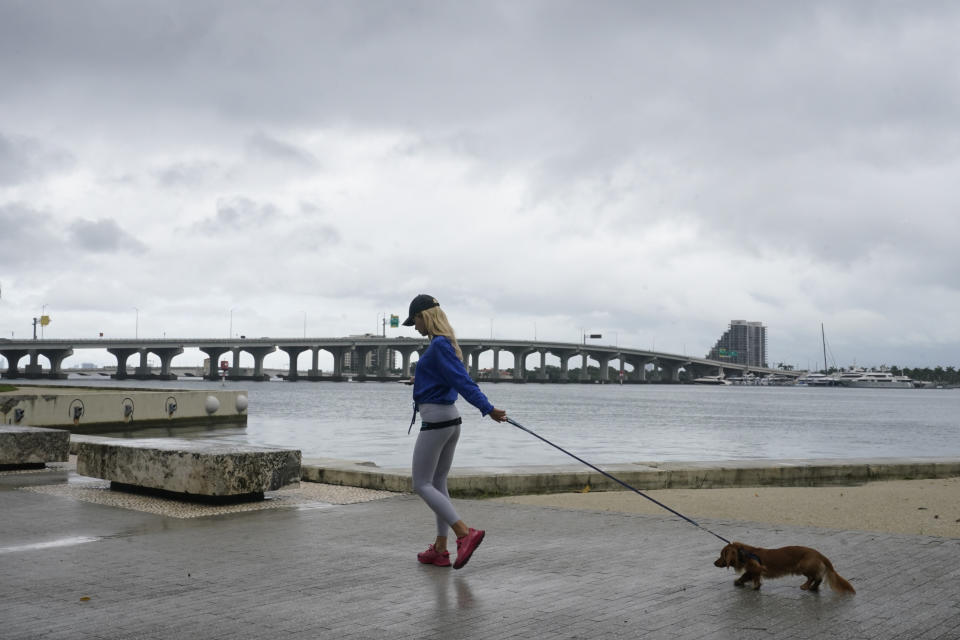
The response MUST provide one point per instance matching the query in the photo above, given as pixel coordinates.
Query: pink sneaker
(434, 557)
(467, 545)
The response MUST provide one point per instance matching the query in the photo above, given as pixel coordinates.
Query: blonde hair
(436, 323)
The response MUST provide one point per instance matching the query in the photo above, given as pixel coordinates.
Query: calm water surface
(600, 423)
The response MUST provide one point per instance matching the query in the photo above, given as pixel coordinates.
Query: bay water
(601, 423)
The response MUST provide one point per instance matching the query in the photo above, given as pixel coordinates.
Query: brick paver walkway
(350, 571)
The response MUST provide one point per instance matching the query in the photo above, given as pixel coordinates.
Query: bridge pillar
(565, 363)
(213, 356)
(604, 361)
(233, 373)
(584, 368)
(166, 358)
(55, 356)
(384, 355)
(33, 369)
(520, 363)
(495, 372)
(360, 361)
(405, 353)
(293, 353)
(122, 354)
(314, 372)
(259, 353)
(338, 355)
(542, 373)
(13, 357)
(519, 366)
(640, 369)
(671, 372)
(142, 372)
(471, 360)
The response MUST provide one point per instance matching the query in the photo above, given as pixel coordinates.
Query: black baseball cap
(421, 303)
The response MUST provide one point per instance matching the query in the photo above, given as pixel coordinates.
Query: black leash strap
(615, 479)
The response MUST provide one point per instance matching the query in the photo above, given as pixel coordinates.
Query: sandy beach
(916, 507)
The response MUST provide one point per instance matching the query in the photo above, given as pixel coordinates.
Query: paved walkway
(77, 570)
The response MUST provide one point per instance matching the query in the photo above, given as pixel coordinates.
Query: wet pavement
(76, 569)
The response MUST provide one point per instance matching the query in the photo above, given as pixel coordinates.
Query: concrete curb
(504, 481)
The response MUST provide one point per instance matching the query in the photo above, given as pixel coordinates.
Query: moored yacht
(711, 380)
(872, 379)
(816, 379)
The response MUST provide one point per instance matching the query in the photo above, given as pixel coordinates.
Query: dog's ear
(722, 560)
(731, 555)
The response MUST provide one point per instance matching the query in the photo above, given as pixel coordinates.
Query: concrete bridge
(634, 365)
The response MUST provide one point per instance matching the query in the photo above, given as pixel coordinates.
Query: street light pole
(230, 335)
(136, 326)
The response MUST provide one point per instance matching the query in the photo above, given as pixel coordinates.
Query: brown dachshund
(755, 563)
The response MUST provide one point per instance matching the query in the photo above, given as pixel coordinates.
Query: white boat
(710, 380)
(816, 379)
(873, 379)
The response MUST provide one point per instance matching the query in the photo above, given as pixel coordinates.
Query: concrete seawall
(503, 481)
(98, 410)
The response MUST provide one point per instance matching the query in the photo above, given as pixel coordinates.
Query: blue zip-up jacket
(440, 376)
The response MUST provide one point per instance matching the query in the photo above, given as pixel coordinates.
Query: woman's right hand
(500, 415)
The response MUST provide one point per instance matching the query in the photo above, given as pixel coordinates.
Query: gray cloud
(660, 167)
(264, 146)
(186, 174)
(23, 158)
(239, 214)
(102, 236)
(25, 234)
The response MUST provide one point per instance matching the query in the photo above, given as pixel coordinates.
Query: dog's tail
(838, 582)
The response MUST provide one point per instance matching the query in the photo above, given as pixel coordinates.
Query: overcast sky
(644, 170)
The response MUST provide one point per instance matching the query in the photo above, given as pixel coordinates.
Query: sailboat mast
(823, 336)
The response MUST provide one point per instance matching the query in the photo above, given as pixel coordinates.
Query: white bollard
(212, 405)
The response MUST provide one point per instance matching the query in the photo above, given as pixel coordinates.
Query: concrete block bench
(26, 447)
(208, 470)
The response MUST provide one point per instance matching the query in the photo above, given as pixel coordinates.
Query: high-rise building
(742, 343)
(371, 362)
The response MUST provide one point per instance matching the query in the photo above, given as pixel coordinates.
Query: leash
(615, 479)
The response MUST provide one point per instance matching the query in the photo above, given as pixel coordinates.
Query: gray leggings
(432, 459)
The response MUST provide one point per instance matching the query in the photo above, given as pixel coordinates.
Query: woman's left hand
(499, 415)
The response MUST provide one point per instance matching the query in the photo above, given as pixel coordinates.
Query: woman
(441, 374)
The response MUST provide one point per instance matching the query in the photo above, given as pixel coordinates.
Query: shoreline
(927, 507)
